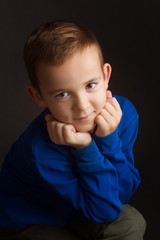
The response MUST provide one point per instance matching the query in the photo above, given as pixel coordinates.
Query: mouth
(85, 118)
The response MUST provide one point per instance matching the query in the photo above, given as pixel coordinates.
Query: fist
(65, 134)
(109, 118)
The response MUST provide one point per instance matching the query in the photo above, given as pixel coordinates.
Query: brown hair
(54, 42)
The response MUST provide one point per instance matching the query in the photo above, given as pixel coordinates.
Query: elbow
(113, 213)
(128, 190)
(104, 213)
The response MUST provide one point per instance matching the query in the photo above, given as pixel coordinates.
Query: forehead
(80, 67)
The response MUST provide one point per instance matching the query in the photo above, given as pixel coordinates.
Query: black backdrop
(128, 33)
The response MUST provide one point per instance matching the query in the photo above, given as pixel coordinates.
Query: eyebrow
(65, 90)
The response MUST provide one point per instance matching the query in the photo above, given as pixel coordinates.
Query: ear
(107, 73)
(36, 96)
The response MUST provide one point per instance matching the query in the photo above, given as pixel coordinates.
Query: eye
(91, 85)
(62, 95)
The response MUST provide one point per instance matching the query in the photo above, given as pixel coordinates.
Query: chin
(87, 128)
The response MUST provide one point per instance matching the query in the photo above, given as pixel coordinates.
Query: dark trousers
(130, 225)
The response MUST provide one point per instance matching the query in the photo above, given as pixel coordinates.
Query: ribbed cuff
(87, 154)
(110, 141)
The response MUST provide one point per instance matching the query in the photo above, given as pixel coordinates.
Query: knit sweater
(45, 183)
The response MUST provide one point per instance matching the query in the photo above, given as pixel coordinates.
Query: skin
(77, 97)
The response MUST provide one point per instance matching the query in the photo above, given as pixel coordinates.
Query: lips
(85, 118)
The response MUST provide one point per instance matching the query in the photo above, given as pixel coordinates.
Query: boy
(71, 173)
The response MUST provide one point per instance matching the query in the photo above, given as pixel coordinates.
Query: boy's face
(75, 92)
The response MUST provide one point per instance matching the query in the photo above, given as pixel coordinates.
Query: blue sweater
(45, 183)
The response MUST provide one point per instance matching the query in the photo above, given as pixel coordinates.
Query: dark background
(128, 33)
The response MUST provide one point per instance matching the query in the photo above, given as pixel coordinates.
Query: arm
(121, 157)
(106, 174)
(96, 179)
(117, 148)
(115, 155)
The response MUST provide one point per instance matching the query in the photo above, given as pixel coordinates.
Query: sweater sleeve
(98, 180)
(117, 149)
(83, 180)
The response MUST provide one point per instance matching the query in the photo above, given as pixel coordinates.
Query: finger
(49, 118)
(110, 109)
(54, 131)
(68, 131)
(116, 104)
(75, 139)
(108, 116)
(117, 115)
(108, 94)
(112, 118)
(59, 132)
(51, 129)
(113, 101)
(102, 126)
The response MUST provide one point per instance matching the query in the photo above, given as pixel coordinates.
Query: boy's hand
(109, 117)
(65, 134)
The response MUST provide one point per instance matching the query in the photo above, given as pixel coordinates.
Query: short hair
(54, 42)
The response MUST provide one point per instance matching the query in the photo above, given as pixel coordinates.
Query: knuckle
(53, 139)
(58, 125)
(99, 118)
(103, 111)
(118, 118)
(66, 135)
(64, 128)
(107, 104)
(114, 99)
(113, 125)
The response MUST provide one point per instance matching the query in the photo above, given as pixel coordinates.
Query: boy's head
(65, 65)
(53, 43)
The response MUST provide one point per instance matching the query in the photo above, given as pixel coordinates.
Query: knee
(129, 225)
(134, 218)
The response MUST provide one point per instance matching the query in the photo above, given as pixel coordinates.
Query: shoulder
(37, 128)
(38, 122)
(35, 136)
(32, 137)
(127, 106)
(129, 114)
(21, 156)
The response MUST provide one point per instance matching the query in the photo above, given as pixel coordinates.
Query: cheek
(100, 101)
(60, 113)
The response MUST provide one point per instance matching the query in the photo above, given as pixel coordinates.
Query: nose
(81, 102)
